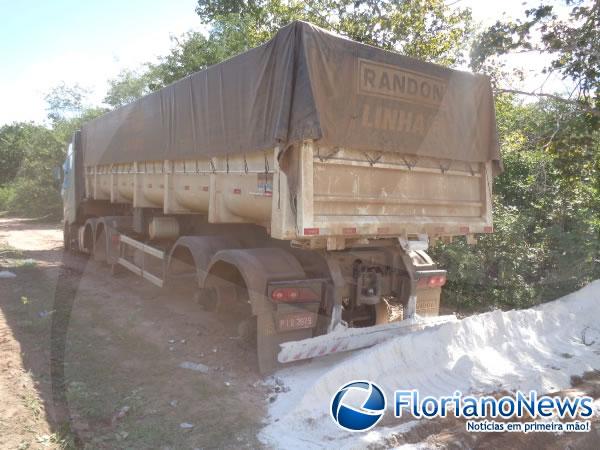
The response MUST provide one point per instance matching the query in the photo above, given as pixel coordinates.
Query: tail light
(293, 294)
(432, 281)
(436, 281)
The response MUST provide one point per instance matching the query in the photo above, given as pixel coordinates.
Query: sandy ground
(92, 360)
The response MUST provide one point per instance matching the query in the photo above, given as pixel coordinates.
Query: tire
(266, 343)
(207, 299)
(247, 333)
(100, 247)
(67, 237)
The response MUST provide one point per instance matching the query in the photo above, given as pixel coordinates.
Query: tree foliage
(546, 239)
(127, 87)
(425, 29)
(31, 154)
(13, 145)
(64, 101)
(573, 44)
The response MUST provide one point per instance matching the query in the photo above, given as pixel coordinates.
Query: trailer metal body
(313, 232)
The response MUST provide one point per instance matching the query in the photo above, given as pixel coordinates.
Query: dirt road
(92, 360)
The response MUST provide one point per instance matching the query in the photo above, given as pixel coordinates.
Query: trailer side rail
(140, 270)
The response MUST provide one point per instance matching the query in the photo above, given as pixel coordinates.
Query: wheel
(100, 247)
(266, 343)
(247, 332)
(67, 237)
(207, 299)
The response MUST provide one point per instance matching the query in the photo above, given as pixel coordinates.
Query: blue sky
(44, 42)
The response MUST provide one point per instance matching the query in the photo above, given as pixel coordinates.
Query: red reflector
(237, 191)
(349, 230)
(311, 231)
(383, 230)
(115, 238)
(464, 230)
(432, 281)
(437, 281)
(293, 294)
(488, 229)
(205, 188)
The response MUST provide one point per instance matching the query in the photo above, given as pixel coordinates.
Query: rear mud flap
(268, 341)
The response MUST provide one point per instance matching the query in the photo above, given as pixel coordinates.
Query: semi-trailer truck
(302, 180)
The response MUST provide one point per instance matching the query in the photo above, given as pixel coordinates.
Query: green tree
(127, 87)
(426, 29)
(35, 188)
(546, 240)
(65, 101)
(31, 154)
(573, 44)
(547, 202)
(13, 140)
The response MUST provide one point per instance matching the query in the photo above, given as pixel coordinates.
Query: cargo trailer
(304, 179)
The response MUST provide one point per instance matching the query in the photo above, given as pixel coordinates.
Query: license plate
(295, 321)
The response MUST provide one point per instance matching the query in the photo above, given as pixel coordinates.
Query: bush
(35, 198)
(32, 190)
(6, 194)
(546, 240)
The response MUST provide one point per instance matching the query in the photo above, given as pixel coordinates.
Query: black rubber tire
(100, 247)
(67, 237)
(207, 299)
(266, 343)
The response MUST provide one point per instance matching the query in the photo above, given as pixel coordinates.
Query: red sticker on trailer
(311, 231)
(349, 230)
(463, 229)
(237, 191)
(205, 188)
